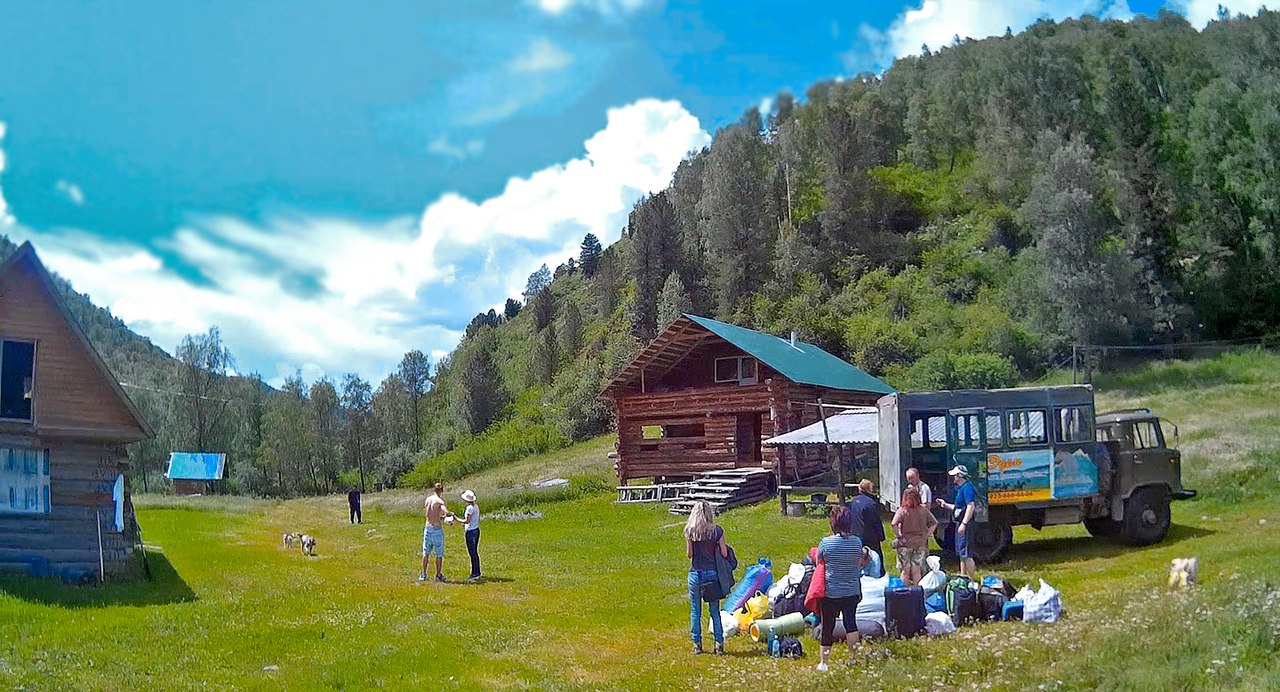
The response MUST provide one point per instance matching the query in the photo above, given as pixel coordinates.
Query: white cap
(468, 496)
(959, 471)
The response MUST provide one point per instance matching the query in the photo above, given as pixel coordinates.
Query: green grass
(592, 595)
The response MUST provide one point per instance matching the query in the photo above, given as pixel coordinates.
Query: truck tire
(989, 542)
(1146, 516)
(1102, 527)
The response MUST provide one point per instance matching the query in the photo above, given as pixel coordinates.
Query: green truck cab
(1037, 456)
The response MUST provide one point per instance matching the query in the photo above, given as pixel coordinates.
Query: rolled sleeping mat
(789, 624)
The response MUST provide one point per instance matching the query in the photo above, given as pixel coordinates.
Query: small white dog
(308, 545)
(1182, 571)
(289, 539)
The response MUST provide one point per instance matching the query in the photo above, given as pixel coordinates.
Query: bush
(942, 370)
(501, 444)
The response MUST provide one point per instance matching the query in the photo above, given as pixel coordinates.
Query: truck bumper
(1183, 494)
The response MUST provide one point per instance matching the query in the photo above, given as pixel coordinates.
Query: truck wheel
(989, 542)
(1102, 527)
(1146, 516)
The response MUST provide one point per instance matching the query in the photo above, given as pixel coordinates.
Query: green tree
(206, 391)
(674, 300)
(415, 372)
(357, 409)
(570, 330)
(589, 255)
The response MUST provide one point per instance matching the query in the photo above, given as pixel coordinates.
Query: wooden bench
(808, 491)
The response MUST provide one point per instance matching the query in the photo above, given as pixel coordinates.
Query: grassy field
(592, 595)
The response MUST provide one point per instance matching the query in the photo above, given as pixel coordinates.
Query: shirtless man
(433, 532)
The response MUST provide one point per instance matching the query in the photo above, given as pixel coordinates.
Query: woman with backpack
(913, 523)
(703, 540)
(842, 556)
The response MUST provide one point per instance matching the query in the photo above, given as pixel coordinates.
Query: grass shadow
(1045, 551)
(164, 587)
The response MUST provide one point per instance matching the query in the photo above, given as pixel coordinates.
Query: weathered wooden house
(194, 473)
(64, 505)
(703, 395)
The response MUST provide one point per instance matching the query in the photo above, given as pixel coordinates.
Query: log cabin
(194, 473)
(704, 394)
(64, 420)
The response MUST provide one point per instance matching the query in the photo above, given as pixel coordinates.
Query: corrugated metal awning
(856, 426)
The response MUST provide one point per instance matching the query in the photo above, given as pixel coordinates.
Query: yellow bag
(755, 608)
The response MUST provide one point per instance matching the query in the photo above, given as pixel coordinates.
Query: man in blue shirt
(962, 514)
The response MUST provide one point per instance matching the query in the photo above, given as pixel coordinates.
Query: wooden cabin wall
(64, 542)
(70, 391)
(697, 369)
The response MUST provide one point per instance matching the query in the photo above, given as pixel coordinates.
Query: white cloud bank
(607, 8)
(936, 22)
(335, 295)
(1200, 12)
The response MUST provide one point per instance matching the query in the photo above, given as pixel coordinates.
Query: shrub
(501, 444)
(942, 370)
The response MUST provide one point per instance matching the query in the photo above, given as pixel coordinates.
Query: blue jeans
(696, 580)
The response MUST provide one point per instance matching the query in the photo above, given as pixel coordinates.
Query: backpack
(991, 603)
(790, 647)
(935, 603)
(999, 584)
(949, 590)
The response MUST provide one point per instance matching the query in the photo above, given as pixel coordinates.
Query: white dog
(1182, 571)
(288, 539)
(308, 545)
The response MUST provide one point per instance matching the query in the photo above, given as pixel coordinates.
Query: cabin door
(966, 446)
(747, 441)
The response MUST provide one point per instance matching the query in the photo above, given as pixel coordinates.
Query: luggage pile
(775, 613)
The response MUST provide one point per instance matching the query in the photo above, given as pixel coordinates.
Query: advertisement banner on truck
(1021, 476)
(1075, 474)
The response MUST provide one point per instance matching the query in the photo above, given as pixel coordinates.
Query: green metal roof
(802, 363)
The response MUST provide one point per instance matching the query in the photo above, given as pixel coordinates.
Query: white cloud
(6, 219)
(1200, 12)
(936, 22)
(607, 8)
(335, 295)
(543, 55)
(73, 192)
(445, 147)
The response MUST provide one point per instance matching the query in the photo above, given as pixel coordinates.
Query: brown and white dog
(308, 544)
(288, 539)
(1182, 571)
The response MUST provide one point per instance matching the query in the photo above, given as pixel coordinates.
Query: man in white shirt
(913, 480)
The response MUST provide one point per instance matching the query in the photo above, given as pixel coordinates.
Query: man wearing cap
(962, 514)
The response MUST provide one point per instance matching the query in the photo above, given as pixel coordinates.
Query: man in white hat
(962, 514)
(471, 525)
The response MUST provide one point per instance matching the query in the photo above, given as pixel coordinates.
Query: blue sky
(333, 185)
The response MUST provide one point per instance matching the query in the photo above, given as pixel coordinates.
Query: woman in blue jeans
(702, 540)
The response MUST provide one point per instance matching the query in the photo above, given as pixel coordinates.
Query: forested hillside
(960, 220)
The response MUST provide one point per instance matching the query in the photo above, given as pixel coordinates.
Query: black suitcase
(967, 608)
(904, 611)
(991, 603)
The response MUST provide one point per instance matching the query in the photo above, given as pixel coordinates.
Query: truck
(1037, 456)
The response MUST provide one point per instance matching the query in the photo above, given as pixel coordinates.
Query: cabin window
(651, 432)
(1075, 424)
(1146, 435)
(1026, 427)
(684, 430)
(929, 432)
(24, 481)
(995, 431)
(740, 369)
(17, 373)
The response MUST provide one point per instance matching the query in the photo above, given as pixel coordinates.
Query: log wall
(64, 542)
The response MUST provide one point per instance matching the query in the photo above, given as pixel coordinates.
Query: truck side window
(1145, 435)
(995, 431)
(929, 431)
(967, 431)
(1026, 427)
(1075, 423)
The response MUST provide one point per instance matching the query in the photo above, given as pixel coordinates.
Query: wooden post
(102, 563)
(826, 436)
(1075, 359)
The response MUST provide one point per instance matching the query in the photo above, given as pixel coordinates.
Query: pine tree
(589, 255)
(674, 300)
(570, 330)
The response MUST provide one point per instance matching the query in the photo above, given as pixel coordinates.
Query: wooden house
(193, 473)
(64, 500)
(703, 395)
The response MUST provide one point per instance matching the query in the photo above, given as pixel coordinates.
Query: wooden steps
(726, 489)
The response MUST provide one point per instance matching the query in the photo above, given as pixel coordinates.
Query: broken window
(17, 372)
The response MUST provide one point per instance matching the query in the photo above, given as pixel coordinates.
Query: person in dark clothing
(866, 509)
(353, 503)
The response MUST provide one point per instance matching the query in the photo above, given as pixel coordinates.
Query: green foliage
(943, 370)
(504, 443)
